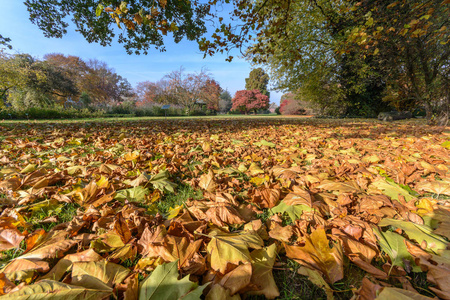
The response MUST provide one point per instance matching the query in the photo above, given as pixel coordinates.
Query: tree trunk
(439, 115)
(428, 112)
(444, 113)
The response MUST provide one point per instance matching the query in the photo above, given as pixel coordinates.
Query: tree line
(70, 81)
(348, 57)
(59, 79)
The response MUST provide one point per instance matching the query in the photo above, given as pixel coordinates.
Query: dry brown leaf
(267, 198)
(10, 238)
(222, 215)
(153, 244)
(207, 182)
(237, 279)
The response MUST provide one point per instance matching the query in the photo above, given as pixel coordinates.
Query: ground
(243, 203)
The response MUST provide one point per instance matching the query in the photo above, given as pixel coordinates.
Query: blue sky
(27, 38)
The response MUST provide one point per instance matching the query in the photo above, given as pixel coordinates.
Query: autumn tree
(246, 101)
(103, 84)
(143, 23)
(93, 77)
(354, 52)
(13, 74)
(211, 94)
(410, 41)
(149, 93)
(258, 80)
(188, 89)
(289, 105)
(29, 82)
(225, 102)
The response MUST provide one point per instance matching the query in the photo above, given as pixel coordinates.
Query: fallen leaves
(213, 208)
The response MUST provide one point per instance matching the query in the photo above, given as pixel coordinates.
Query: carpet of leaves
(211, 209)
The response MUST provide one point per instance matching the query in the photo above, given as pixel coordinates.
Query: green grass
(182, 194)
(131, 263)
(293, 286)
(353, 277)
(8, 255)
(264, 216)
(124, 119)
(67, 213)
(421, 284)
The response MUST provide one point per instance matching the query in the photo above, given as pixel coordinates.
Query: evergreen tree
(225, 102)
(258, 80)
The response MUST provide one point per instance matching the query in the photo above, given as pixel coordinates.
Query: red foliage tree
(247, 101)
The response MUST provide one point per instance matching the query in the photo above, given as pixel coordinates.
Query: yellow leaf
(102, 182)
(318, 255)
(28, 169)
(173, 212)
(258, 180)
(262, 262)
(231, 248)
(255, 169)
(435, 187)
(130, 156)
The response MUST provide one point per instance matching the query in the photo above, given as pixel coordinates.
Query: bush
(126, 107)
(234, 112)
(55, 112)
(277, 111)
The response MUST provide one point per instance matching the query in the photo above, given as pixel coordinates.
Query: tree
(149, 93)
(211, 94)
(225, 102)
(358, 52)
(410, 40)
(188, 89)
(291, 106)
(58, 86)
(103, 84)
(143, 23)
(93, 77)
(258, 80)
(246, 101)
(28, 82)
(13, 74)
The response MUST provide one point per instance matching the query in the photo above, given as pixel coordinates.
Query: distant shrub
(126, 107)
(277, 111)
(54, 112)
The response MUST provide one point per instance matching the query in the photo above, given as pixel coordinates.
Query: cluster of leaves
(86, 210)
